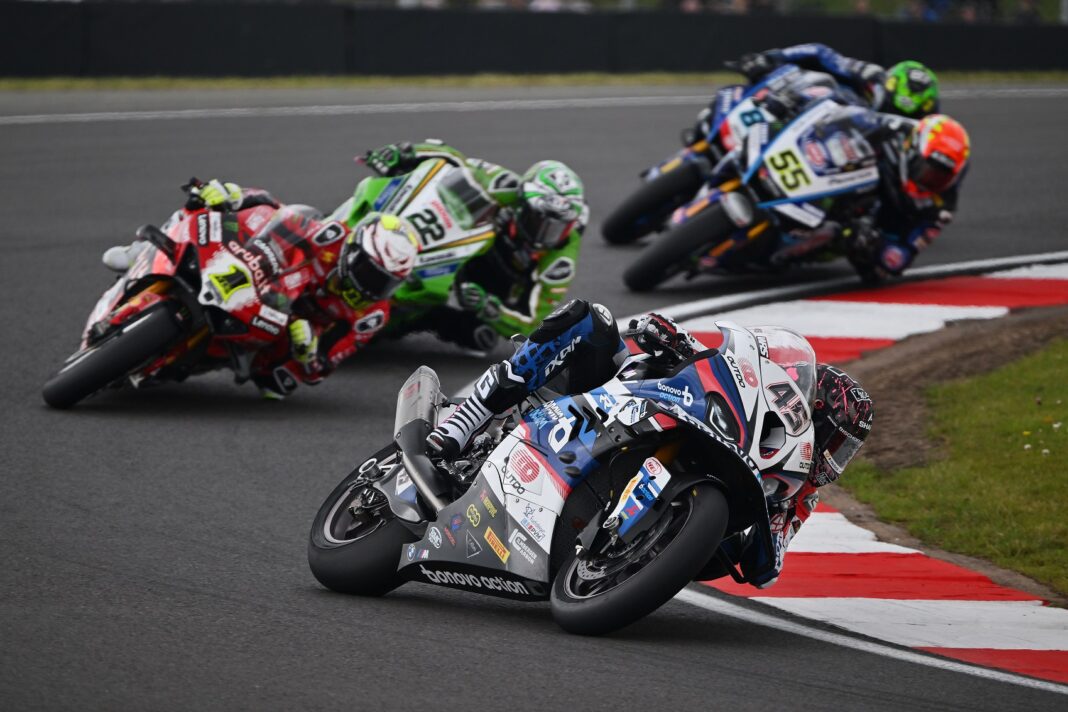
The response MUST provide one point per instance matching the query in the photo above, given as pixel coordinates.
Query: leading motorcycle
(607, 502)
(734, 112)
(762, 207)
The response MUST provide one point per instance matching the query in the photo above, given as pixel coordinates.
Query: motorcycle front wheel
(356, 542)
(598, 594)
(647, 208)
(116, 355)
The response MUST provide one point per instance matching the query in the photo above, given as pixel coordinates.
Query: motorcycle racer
(338, 280)
(580, 344)
(539, 218)
(921, 167)
(907, 89)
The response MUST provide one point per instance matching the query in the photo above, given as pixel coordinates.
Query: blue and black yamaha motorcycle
(764, 205)
(607, 503)
(721, 128)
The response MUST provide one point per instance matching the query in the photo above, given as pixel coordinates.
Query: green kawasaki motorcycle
(453, 216)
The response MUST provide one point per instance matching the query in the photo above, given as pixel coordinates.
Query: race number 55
(789, 169)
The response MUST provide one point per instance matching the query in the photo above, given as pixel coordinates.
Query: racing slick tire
(99, 365)
(646, 209)
(353, 559)
(674, 251)
(582, 605)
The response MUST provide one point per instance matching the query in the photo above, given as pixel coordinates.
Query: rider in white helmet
(337, 281)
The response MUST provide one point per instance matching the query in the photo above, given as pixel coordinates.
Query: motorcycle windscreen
(793, 353)
(465, 199)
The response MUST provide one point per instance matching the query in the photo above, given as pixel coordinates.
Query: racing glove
(215, 195)
(473, 298)
(304, 346)
(756, 65)
(659, 337)
(391, 159)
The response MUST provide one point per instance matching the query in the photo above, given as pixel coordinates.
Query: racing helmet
(936, 155)
(552, 203)
(842, 414)
(911, 90)
(378, 255)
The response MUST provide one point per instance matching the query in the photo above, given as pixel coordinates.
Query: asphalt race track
(153, 543)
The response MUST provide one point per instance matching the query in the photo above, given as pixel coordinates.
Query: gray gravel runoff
(153, 542)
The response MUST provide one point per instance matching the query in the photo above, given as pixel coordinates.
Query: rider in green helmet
(538, 216)
(907, 89)
(911, 90)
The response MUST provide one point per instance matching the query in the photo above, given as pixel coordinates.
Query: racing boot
(120, 257)
(496, 390)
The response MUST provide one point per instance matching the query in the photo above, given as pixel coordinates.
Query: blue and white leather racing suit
(580, 344)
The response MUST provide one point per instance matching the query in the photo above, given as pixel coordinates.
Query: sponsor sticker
(748, 373)
(487, 503)
(497, 545)
(434, 536)
(273, 315)
(816, 154)
(518, 542)
(531, 524)
(493, 583)
(473, 516)
(270, 328)
(473, 548)
(215, 227)
(456, 522)
(523, 472)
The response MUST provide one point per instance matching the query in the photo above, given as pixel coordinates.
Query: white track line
(726, 608)
(457, 106)
(610, 102)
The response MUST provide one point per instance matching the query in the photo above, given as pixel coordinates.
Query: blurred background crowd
(1018, 11)
(962, 11)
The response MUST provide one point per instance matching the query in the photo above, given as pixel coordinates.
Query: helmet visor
(368, 279)
(840, 448)
(931, 175)
(543, 231)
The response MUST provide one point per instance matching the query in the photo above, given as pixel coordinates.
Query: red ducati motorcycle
(208, 291)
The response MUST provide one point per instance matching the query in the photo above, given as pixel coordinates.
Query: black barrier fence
(226, 39)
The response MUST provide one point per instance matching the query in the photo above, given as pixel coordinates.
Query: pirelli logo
(497, 545)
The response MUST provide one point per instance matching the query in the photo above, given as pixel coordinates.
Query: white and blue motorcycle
(607, 503)
(762, 207)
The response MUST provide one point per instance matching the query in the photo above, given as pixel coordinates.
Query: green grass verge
(467, 81)
(1001, 492)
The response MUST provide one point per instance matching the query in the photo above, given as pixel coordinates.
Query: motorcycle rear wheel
(673, 251)
(645, 210)
(597, 595)
(356, 554)
(97, 366)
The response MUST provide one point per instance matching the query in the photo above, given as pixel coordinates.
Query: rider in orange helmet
(922, 164)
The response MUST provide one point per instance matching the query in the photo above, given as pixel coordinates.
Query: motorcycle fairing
(790, 168)
(476, 543)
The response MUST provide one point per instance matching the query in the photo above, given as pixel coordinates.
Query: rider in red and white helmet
(337, 282)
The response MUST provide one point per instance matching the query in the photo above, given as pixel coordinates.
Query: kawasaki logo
(493, 583)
